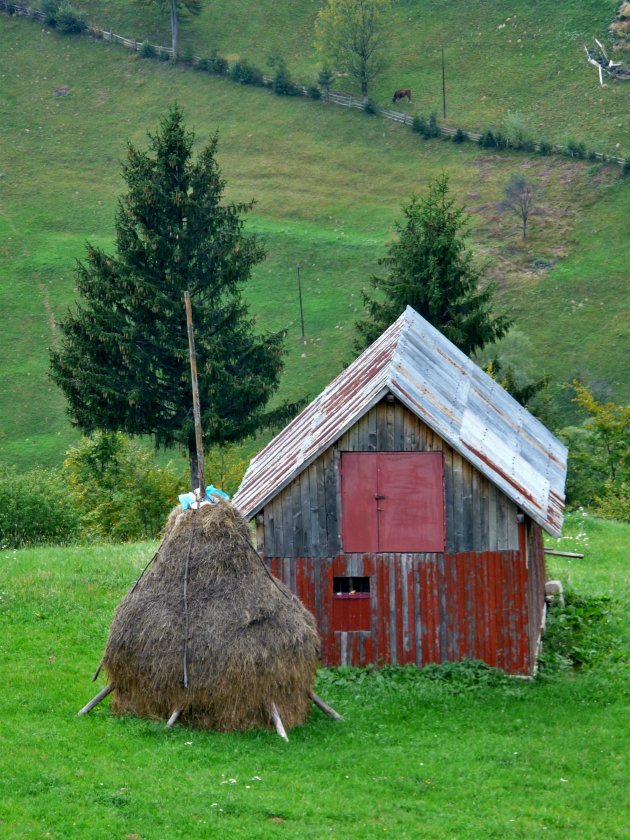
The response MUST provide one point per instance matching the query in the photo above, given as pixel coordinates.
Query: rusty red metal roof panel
(451, 394)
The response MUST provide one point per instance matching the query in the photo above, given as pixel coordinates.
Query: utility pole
(300, 296)
(443, 85)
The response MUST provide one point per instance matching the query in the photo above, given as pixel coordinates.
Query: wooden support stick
(98, 671)
(195, 395)
(278, 722)
(563, 553)
(173, 718)
(328, 710)
(96, 700)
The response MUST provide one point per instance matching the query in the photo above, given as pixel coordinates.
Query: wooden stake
(98, 671)
(328, 710)
(195, 395)
(96, 700)
(563, 553)
(278, 722)
(173, 718)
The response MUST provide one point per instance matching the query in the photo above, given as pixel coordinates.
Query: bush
(426, 127)
(459, 136)
(314, 92)
(147, 50)
(325, 79)
(120, 491)
(69, 20)
(370, 107)
(625, 168)
(50, 9)
(545, 148)
(164, 55)
(186, 56)
(245, 73)
(580, 634)
(217, 64)
(575, 149)
(36, 507)
(487, 140)
(282, 84)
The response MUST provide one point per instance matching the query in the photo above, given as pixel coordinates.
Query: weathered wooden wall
(304, 520)
(424, 607)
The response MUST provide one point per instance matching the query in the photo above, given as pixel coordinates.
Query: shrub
(580, 634)
(119, 489)
(419, 124)
(203, 65)
(625, 168)
(487, 140)
(147, 50)
(314, 92)
(186, 56)
(325, 79)
(50, 9)
(426, 127)
(459, 136)
(36, 507)
(370, 107)
(575, 149)
(545, 148)
(218, 64)
(69, 20)
(282, 84)
(164, 55)
(245, 73)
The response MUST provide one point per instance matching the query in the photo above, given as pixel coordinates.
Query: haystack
(208, 635)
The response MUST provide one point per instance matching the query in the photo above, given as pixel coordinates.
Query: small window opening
(351, 585)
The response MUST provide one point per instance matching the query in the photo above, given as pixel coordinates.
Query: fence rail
(345, 100)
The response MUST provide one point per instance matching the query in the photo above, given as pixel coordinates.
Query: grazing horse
(403, 93)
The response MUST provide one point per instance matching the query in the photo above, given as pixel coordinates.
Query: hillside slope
(328, 185)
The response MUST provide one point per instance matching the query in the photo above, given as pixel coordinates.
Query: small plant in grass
(147, 50)
(545, 148)
(50, 9)
(625, 168)
(244, 72)
(460, 136)
(218, 64)
(164, 55)
(575, 149)
(325, 79)
(314, 92)
(371, 107)
(282, 84)
(487, 140)
(426, 127)
(69, 20)
(186, 56)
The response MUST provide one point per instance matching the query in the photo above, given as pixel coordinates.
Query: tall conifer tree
(431, 269)
(123, 361)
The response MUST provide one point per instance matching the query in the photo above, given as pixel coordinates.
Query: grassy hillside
(447, 758)
(503, 57)
(328, 185)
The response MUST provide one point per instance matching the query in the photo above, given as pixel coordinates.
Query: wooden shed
(405, 504)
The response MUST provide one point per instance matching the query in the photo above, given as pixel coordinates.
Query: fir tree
(430, 269)
(123, 361)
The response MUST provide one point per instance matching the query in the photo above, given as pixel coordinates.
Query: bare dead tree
(519, 197)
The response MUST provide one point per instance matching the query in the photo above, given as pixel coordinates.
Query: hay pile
(250, 642)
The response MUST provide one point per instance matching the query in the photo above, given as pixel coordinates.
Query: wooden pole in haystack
(195, 395)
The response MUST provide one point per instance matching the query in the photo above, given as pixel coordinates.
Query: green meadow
(455, 752)
(328, 185)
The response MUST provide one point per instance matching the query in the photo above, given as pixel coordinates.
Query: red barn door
(392, 501)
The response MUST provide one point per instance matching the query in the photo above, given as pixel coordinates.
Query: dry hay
(251, 643)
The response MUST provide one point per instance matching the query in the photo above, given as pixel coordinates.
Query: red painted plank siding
(427, 607)
(358, 504)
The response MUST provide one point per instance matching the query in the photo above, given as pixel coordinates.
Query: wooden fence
(345, 100)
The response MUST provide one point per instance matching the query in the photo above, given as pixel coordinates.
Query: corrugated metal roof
(446, 390)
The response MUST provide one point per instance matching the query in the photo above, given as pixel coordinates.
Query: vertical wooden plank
(390, 411)
(476, 542)
(471, 618)
(399, 606)
(448, 499)
(468, 505)
(298, 518)
(320, 474)
(399, 426)
(314, 543)
(493, 542)
(375, 604)
(458, 503)
(392, 609)
(362, 434)
(483, 544)
(417, 561)
(462, 619)
(306, 538)
(332, 501)
(381, 427)
(513, 542)
(384, 610)
(372, 441)
(501, 507)
(409, 613)
(499, 613)
(443, 608)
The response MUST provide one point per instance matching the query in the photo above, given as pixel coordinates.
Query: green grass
(328, 184)
(501, 57)
(461, 758)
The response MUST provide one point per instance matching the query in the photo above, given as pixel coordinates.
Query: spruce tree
(430, 269)
(123, 361)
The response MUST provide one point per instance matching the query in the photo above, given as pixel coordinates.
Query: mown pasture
(454, 752)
